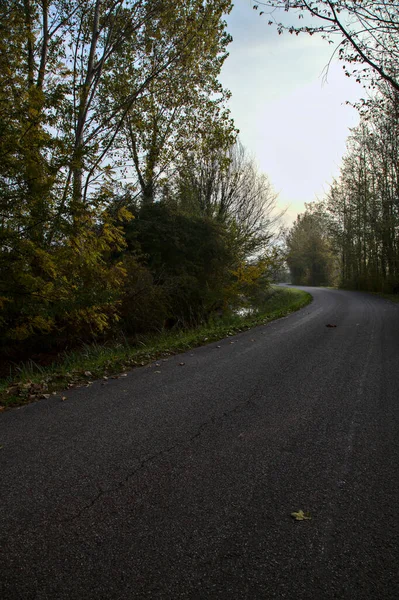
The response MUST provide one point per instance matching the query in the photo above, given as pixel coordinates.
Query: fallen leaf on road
(181, 364)
(123, 375)
(88, 374)
(157, 371)
(63, 398)
(301, 516)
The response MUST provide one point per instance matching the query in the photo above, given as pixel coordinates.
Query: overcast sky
(290, 119)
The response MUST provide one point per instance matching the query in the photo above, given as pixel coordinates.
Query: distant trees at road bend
(352, 237)
(357, 227)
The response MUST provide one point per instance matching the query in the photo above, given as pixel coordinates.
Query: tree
(60, 117)
(207, 242)
(363, 202)
(367, 32)
(309, 250)
(188, 256)
(225, 184)
(61, 124)
(185, 104)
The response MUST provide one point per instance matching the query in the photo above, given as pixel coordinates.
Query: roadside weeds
(30, 382)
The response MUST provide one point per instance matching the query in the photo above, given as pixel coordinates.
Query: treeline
(125, 199)
(311, 255)
(354, 232)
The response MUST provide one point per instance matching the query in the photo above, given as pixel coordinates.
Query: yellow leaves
(301, 516)
(118, 273)
(46, 262)
(3, 300)
(248, 274)
(124, 215)
(91, 242)
(20, 332)
(36, 100)
(37, 323)
(43, 324)
(94, 318)
(75, 286)
(246, 278)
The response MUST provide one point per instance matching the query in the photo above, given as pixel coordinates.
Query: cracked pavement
(180, 483)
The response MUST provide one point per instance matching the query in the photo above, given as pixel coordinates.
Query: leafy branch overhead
(363, 33)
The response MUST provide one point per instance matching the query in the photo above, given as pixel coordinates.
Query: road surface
(178, 481)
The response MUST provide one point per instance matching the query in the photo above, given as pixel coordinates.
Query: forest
(127, 203)
(351, 237)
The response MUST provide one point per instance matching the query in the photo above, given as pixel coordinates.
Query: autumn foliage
(116, 146)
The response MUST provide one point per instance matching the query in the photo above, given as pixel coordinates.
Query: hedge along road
(179, 480)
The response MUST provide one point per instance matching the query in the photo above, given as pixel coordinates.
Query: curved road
(178, 481)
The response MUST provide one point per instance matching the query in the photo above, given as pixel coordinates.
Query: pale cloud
(292, 119)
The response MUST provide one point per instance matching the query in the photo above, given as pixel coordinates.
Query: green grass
(30, 382)
(391, 297)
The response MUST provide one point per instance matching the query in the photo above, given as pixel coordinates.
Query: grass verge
(30, 382)
(391, 297)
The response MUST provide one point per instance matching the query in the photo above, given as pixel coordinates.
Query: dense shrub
(189, 257)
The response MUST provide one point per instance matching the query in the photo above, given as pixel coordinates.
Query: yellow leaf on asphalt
(301, 516)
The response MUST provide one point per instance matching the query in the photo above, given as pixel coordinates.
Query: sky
(292, 119)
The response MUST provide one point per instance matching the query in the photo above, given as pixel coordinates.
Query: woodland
(351, 237)
(127, 203)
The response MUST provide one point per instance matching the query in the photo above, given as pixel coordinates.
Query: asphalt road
(178, 481)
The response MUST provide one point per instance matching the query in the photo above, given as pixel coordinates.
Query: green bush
(189, 257)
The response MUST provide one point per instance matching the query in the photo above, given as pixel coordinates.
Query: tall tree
(62, 124)
(364, 200)
(185, 103)
(310, 255)
(226, 185)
